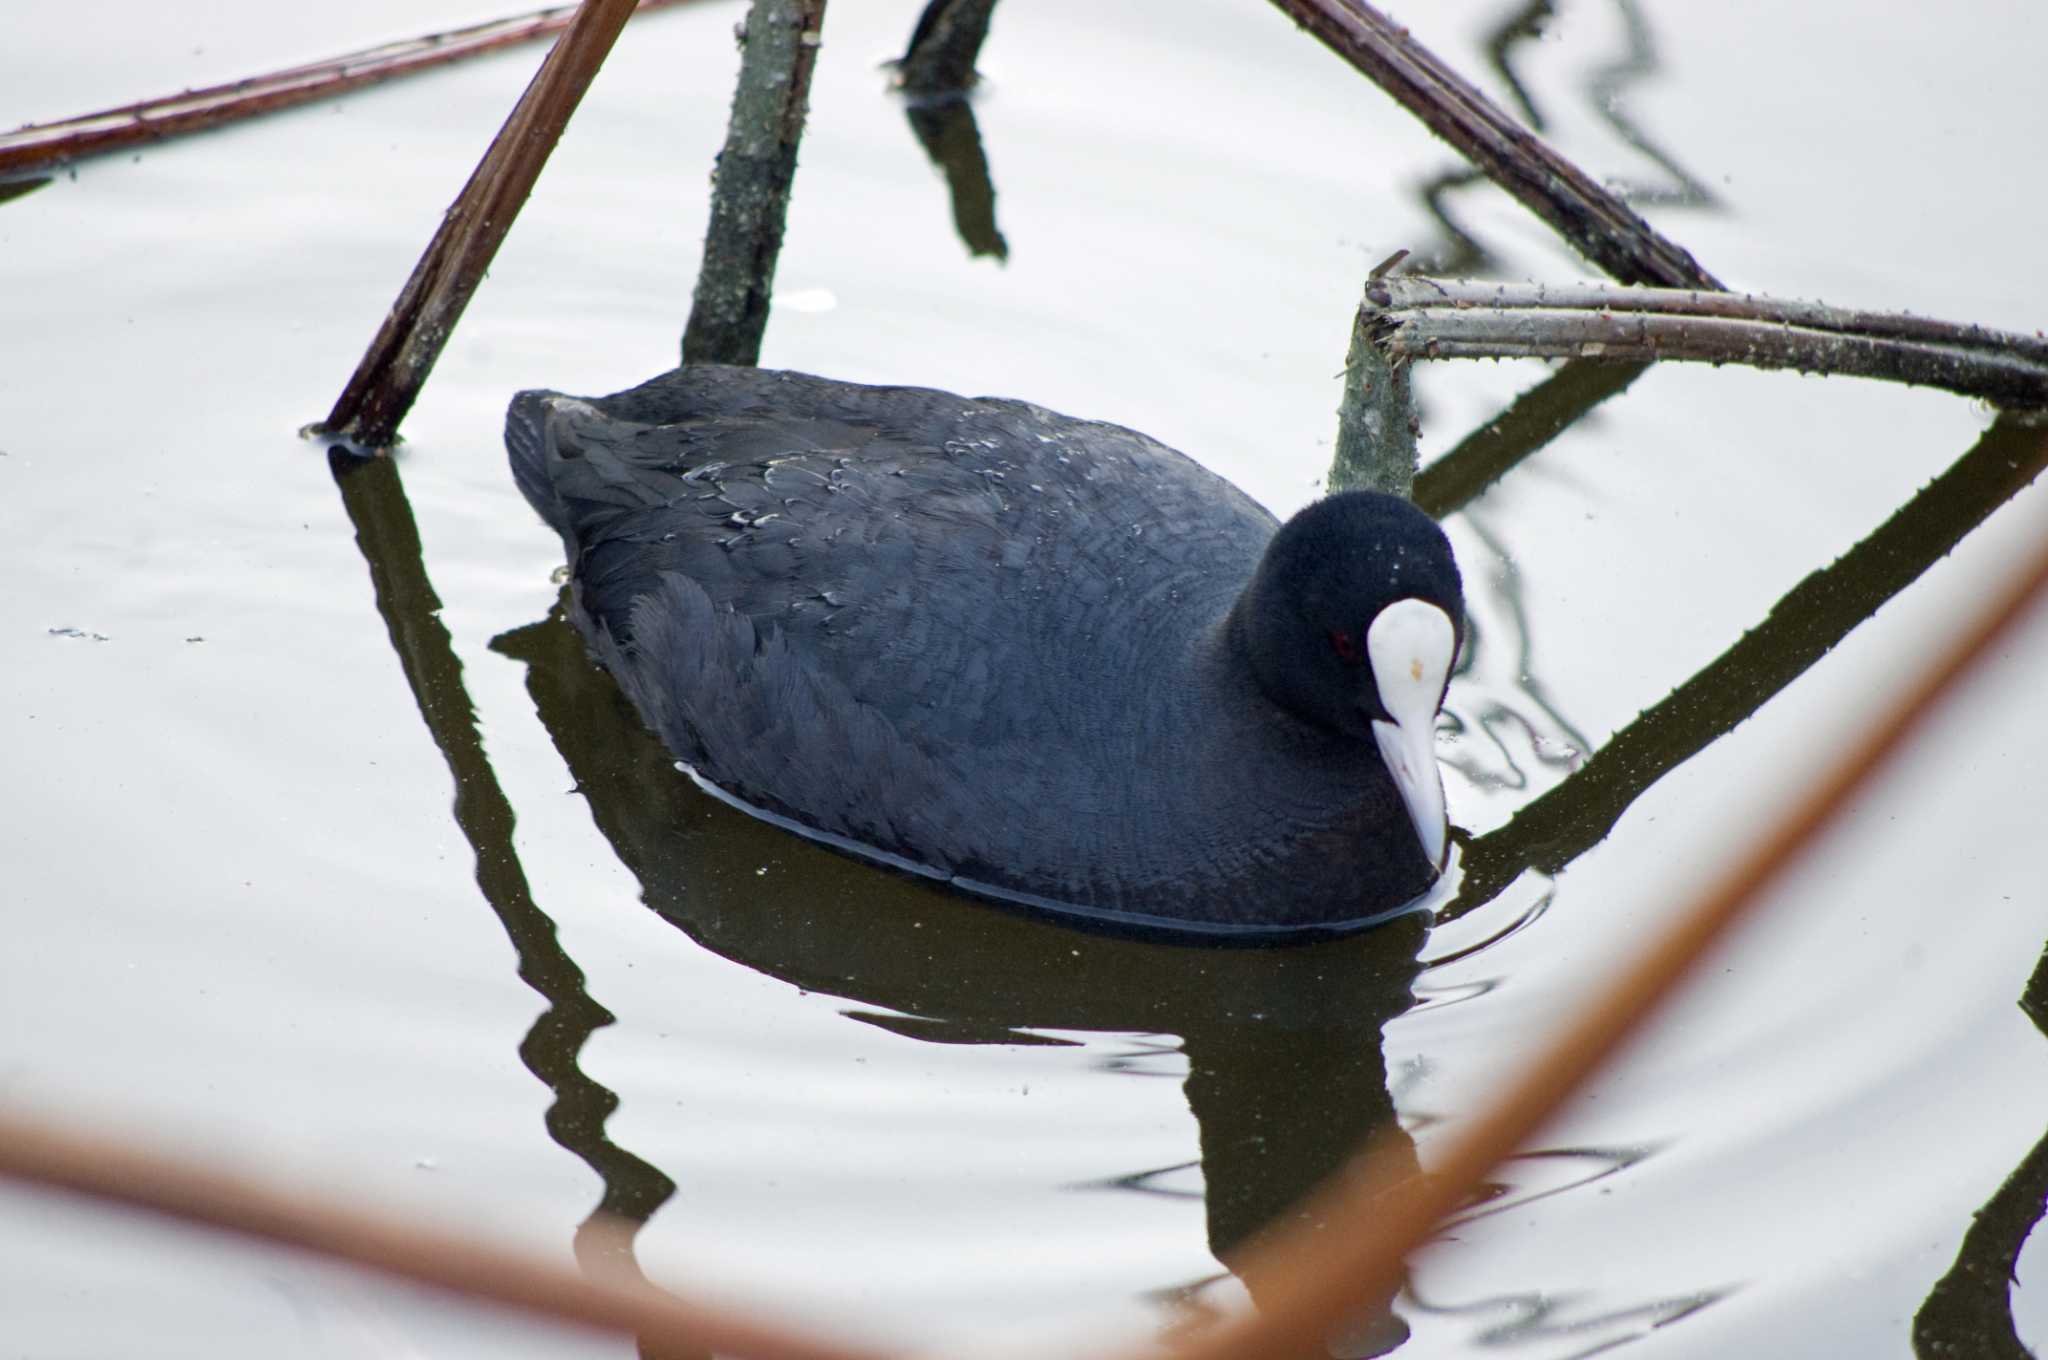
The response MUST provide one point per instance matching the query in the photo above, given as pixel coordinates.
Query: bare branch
(943, 48)
(1419, 318)
(396, 365)
(1597, 223)
(41, 146)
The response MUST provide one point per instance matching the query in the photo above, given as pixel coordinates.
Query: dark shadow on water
(940, 58)
(1285, 1072)
(1968, 1314)
(389, 539)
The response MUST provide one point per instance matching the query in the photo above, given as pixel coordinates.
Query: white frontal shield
(1410, 646)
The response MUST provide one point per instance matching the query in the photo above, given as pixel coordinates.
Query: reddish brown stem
(39, 146)
(401, 356)
(124, 1174)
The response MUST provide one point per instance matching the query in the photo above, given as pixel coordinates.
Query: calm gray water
(246, 923)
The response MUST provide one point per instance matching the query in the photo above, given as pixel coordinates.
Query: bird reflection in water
(1286, 1077)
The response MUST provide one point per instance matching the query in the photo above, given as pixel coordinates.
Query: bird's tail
(526, 441)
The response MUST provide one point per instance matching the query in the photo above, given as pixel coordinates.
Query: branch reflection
(390, 543)
(946, 129)
(1557, 827)
(1606, 95)
(1969, 1310)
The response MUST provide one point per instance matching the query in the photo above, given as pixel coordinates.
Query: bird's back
(934, 625)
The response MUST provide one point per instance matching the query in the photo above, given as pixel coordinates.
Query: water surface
(250, 924)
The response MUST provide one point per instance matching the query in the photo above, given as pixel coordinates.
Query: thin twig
(1376, 1220)
(1600, 226)
(396, 365)
(750, 193)
(118, 1172)
(943, 47)
(41, 146)
(1421, 318)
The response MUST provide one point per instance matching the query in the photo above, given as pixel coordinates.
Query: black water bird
(1047, 660)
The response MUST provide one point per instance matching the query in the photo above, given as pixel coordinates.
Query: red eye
(1345, 646)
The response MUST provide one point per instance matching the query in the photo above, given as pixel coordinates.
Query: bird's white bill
(1410, 646)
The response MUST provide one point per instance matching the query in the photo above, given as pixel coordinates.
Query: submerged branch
(1374, 1219)
(1596, 222)
(396, 365)
(40, 146)
(750, 187)
(1599, 225)
(1421, 318)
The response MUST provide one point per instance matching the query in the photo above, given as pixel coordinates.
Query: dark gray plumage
(1001, 645)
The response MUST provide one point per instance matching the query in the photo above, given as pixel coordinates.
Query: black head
(1304, 622)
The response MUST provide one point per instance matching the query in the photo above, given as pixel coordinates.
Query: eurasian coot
(1044, 659)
